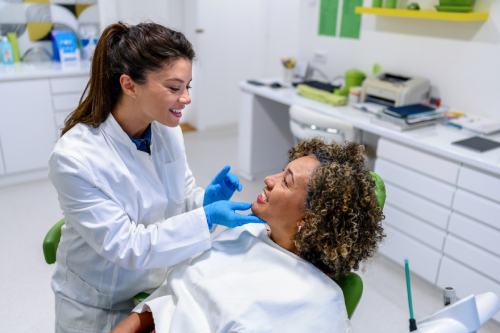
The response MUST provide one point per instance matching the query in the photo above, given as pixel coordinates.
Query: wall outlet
(319, 57)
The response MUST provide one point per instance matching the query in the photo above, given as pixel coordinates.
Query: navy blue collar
(144, 143)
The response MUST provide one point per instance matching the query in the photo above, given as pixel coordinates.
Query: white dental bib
(247, 283)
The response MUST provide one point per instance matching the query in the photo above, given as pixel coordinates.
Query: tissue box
(65, 46)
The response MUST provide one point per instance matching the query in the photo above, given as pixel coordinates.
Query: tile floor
(27, 211)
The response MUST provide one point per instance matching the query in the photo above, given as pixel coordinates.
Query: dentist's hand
(223, 213)
(222, 187)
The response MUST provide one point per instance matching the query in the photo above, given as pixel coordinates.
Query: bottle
(6, 50)
(449, 296)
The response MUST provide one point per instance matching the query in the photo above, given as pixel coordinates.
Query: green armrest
(352, 287)
(141, 297)
(379, 189)
(51, 242)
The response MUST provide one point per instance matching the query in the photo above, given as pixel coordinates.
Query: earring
(133, 95)
(300, 227)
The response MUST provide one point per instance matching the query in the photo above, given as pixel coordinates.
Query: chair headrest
(379, 189)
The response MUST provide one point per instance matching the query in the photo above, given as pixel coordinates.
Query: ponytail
(135, 51)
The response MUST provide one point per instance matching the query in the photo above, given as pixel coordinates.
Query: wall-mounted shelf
(424, 14)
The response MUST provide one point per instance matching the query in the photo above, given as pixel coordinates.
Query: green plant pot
(456, 2)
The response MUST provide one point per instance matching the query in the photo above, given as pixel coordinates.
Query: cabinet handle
(199, 31)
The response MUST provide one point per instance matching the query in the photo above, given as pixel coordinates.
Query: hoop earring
(300, 227)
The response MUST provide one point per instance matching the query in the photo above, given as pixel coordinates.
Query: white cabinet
(34, 106)
(444, 216)
(422, 162)
(26, 124)
(66, 94)
(424, 186)
(2, 169)
(423, 260)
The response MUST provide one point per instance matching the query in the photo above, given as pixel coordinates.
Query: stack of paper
(475, 124)
(409, 116)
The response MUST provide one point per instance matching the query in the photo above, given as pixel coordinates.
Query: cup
(390, 3)
(287, 75)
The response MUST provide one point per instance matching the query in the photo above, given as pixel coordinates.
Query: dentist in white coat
(129, 199)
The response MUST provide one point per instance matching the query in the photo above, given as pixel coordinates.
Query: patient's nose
(269, 181)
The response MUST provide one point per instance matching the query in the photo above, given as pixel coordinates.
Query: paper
(351, 22)
(328, 11)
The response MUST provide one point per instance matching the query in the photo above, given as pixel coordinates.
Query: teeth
(176, 110)
(264, 197)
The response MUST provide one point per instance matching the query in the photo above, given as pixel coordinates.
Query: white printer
(395, 90)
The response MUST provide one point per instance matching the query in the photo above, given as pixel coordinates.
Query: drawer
(477, 207)
(66, 102)
(417, 183)
(465, 281)
(472, 256)
(414, 228)
(68, 85)
(480, 182)
(431, 165)
(418, 206)
(477, 233)
(423, 260)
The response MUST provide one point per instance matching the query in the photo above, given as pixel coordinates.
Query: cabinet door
(2, 169)
(26, 124)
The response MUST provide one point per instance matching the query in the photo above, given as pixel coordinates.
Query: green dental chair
(351, 285)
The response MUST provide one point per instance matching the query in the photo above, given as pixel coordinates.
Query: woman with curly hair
(324, 220)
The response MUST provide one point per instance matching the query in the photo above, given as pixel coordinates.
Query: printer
(395, 90)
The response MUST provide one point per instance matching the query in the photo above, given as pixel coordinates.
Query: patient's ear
(302, 223)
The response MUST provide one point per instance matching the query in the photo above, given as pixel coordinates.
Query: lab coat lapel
(142, 171)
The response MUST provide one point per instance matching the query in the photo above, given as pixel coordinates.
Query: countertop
(40, 70)
(435, 139)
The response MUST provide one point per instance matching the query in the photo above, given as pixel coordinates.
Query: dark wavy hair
(134, 50)
(344, 220)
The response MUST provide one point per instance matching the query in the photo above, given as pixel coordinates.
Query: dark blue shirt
(144, 142)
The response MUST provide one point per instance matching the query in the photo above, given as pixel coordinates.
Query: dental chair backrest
(308, 124)
(351, 285)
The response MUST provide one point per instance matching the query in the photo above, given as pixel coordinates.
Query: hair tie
(123, 25)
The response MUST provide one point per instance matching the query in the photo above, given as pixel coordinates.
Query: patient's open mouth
(262, 198)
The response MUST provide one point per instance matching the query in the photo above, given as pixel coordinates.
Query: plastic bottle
(6, 50)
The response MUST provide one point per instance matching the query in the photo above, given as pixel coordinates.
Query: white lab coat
(247, 283)
(128, 216)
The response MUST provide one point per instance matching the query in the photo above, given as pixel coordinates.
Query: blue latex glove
(223, 213)
(222, 187)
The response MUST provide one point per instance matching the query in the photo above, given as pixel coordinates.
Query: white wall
(133, 11)
(460, 58)
(241, 40)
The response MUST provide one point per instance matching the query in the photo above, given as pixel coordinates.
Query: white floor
(28, 211)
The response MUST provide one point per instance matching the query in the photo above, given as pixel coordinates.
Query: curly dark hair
(344, 220)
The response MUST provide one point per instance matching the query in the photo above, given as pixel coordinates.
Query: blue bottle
(7, 53)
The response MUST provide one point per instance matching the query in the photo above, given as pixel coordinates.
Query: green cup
(390, 3)
(377, 3)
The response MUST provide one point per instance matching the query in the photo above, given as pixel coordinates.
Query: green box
(456, 2)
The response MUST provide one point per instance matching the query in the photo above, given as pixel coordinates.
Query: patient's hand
(136, 323)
